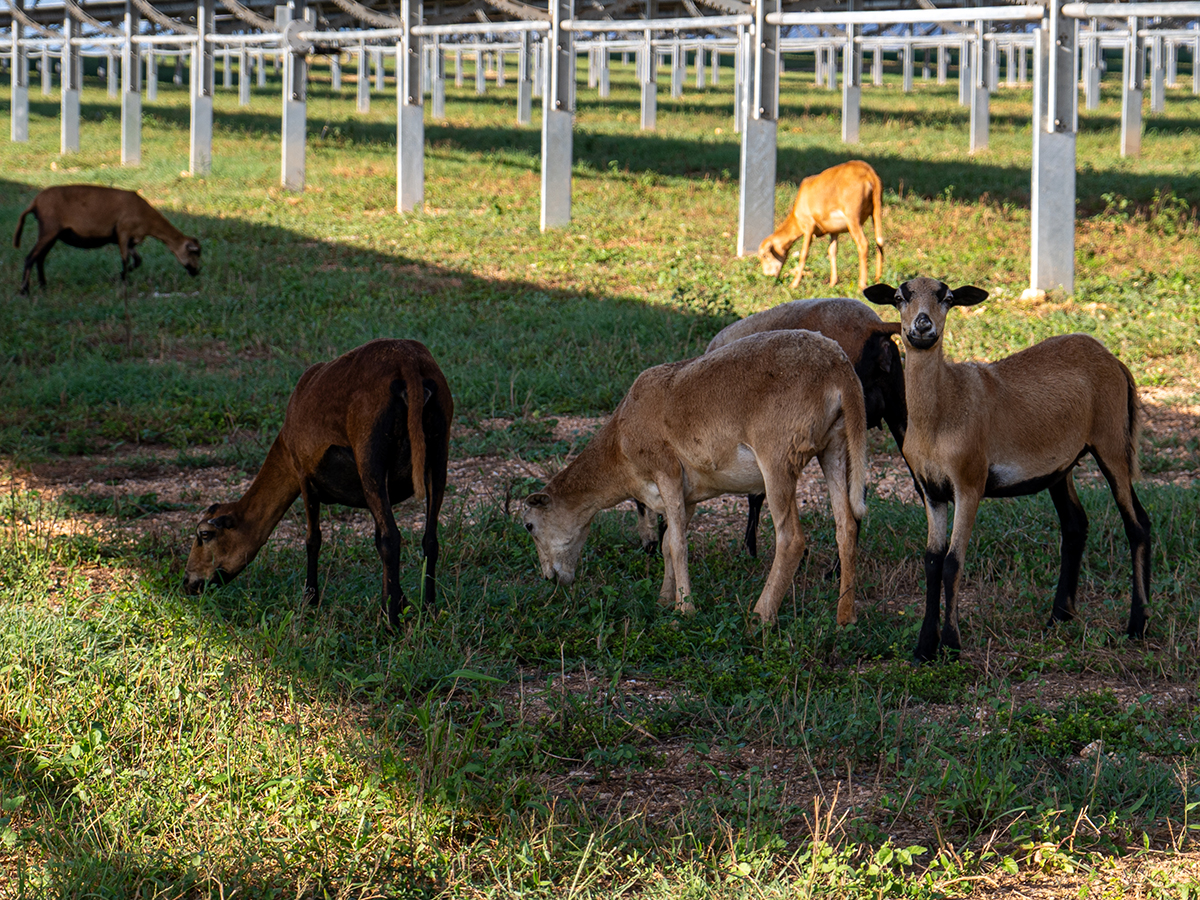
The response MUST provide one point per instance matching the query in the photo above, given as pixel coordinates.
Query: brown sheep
(832, 202)
(1015, 426)
(745, 418)
(90, 216)
(367, 430)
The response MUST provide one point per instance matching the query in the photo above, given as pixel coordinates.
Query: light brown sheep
(90, 216)
(1016, 426)
(743, 419)
(832, 202)
(367, 430)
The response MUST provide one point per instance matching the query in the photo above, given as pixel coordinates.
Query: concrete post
(1171, 49)
(965, 81)
(379, 73)
(363, 98)
(437, 80)
(294, 125)
(499, 55)
(1055, 122)
(714, 68)
(908, 64)
(110, 72)
(981, 70)
(261, 68)
(244, 77)
(739, 78)
(558, 118)
(943, 55)
(69, 88)
(177, 75)
(756, 194)
(1092, 74)
(335, 72)
(525, 80)
(831, 67)
(1158, 76)
(226, 70)
(19, 131)
(480, 72)
(131, 96)
(648, 72)
(877, 66)
(151, 75)
(924, 63)
(1022, 66)
(201, 89)
(677, 70)
(410, 118)
(1134, 80)
(852, 59)
(458, 68)
(47, 71)
(699, 66)
(540, 52)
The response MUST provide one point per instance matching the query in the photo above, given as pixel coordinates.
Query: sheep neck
(273, 490)
(924, 374)
(596, 479)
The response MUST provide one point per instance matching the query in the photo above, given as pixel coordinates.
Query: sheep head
(923, 304)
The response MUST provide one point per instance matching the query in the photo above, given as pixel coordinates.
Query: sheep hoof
(686, 608)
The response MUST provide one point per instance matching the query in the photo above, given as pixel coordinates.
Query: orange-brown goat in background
(367, 430)
(833, 202)
(90, 216)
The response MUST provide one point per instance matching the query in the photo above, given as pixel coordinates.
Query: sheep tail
(854, 413)
(21, 226)
(877, 213)
(1134, 425)
(415, 389)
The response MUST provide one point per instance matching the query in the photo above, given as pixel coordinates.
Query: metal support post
(714, 68)
(965, 81)
(480, 72)
(437, 80)
(739, 78)
(244, 77)
(1055, 123)
(593, 77)
(458, 68)
(47, 71)
(648, 69)
(1134, 80)
(908, 64)
(540, 54)
(290, 20)
(1091, 80)
(226, 70)
(525, 80)
(605, 86)
(69, 87)
(1023, 68)
(699, 66)
(364, 81)
(110, 72)
(558, 115)
(831, 65)
(379, 73)
(756, 194)
(924, 63)
(943, 54)
(1158, 76)
(19, 131)
(151, 75)
(981, 70)
(410, 114)
(261, 68)
(852, 59)
(335, 72)
(1171, 49)
(131, 95)
(877, 66)
(1196, 65)
(677, 70)
(201, 90)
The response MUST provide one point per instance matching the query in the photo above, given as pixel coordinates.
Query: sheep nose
(923, 325)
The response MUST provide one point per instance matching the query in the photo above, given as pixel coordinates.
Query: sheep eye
(529, 527)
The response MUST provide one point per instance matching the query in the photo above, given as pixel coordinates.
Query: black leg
(927, 643)
(756, 504)
(951, 569)
(312, 547)
(1074, 524)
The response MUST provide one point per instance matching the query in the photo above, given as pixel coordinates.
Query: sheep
(832, 202)
(745, 418)
(90, 216)
(1012, 427)
(367, 430)
(866, 340)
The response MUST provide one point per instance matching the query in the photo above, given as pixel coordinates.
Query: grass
(522, 739)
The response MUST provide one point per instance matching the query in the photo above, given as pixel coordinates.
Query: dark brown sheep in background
(90, 216)
(1012, 427)
(367, 430)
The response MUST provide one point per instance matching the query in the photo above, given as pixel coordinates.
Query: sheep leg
(833, 260)
(37, 257)
(387, 536)
(833, 465)
(1074, 523)
(756, 502)
(312, 544)
(860, 242)
(677, 583)
(935, 558)
(966, 505)
(1138, 533)
(650, 528)
(808, 236)
(437, 453)
(789, 540)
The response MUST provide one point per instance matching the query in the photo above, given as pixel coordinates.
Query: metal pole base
(851, 112)
(525, 101)
(294, 133)
(1131, 122)
(756, 198)
(131, 128)
(980, 113)
(410, 157)
(20, 113)
(1052, 209)
(649, 105)
(556, 168)
(70, 122)
(437, 96)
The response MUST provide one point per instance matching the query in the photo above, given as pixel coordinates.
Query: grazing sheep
(367, 430)
(832, 202)
(90, 216)
(1016, 426)
(745, 418)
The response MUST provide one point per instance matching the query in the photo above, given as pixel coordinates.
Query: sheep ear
(225, 521)
(967, 295)
(535, 501)
(883, 294)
